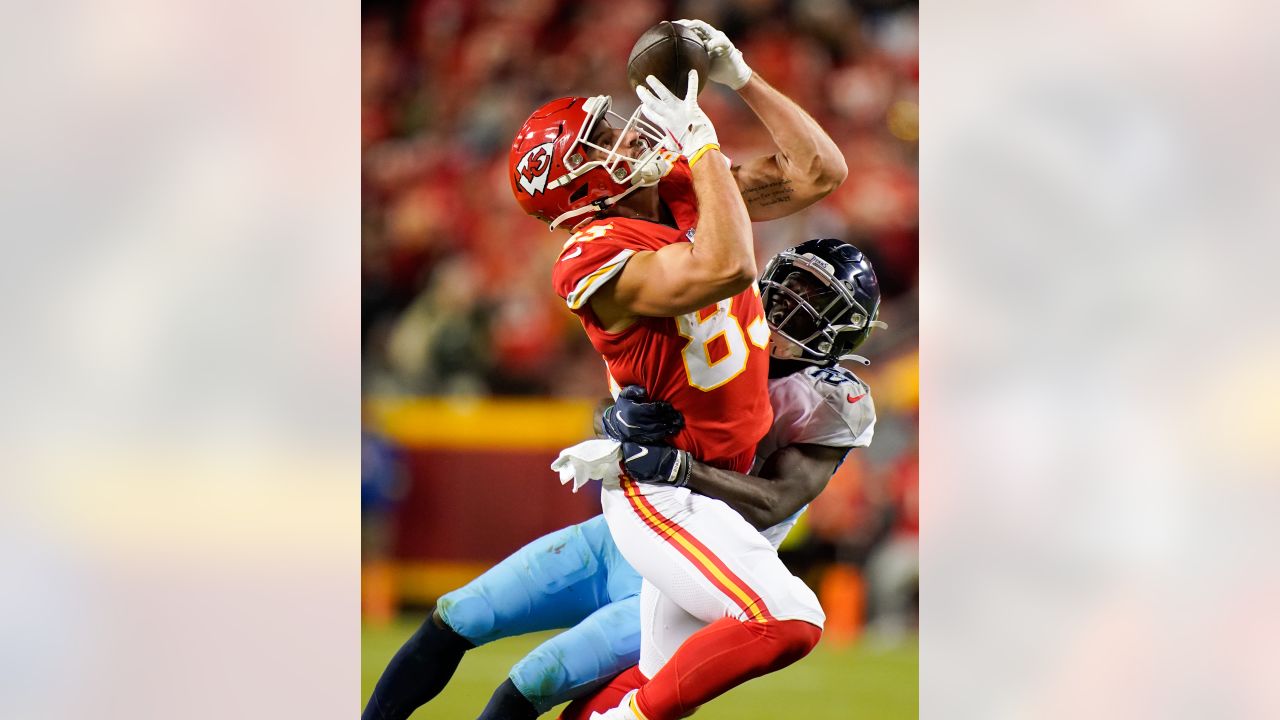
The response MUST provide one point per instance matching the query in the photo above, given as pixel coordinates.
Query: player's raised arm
(808, 165)
(684, 277)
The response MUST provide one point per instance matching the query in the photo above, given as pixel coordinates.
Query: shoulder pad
(848, 397)
(589, 260)
(835, 375)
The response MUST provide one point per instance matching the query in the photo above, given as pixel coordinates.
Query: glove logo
(534, 167)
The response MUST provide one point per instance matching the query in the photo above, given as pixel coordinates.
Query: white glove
(683, 120)
(727, 65)
(590, 460)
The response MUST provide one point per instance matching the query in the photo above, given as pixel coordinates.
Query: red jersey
(712, 364)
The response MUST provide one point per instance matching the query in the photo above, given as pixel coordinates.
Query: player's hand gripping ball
(668, 51)
(633, 418)
(727, 65)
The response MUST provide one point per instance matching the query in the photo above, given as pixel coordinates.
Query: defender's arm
(791, 478)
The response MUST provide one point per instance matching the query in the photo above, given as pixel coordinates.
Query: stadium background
(475, 374)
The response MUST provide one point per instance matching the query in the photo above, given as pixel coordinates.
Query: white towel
(590, 460)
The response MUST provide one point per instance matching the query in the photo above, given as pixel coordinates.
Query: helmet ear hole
(578, 194)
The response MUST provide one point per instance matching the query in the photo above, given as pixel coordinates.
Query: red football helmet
(551, 176)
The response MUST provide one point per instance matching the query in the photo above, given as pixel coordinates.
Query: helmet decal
(559, 174)
(534, 167)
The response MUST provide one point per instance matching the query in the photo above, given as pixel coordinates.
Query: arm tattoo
(778, 191)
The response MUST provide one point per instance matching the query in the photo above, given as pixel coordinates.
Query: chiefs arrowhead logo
(533, 169)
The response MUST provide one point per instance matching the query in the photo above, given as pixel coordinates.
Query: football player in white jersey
(821, 299)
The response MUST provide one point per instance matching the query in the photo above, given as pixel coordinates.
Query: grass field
(829, 684)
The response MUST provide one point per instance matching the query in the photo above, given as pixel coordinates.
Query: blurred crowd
(456, 281)
(457, 298)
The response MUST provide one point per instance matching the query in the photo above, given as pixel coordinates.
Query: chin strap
(858, 358)
(652, 172)
(823, 361)
(596, 207)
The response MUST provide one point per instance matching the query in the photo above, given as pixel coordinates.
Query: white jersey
(816, 406)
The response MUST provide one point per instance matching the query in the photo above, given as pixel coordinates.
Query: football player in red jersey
(685, 321)
(822, 301)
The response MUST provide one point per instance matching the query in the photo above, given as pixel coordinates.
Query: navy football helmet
(822, 299)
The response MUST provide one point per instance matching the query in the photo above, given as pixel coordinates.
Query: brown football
(668, 51)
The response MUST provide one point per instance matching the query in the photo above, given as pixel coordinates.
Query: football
(668, 51)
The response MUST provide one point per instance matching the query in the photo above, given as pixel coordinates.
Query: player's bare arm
(789, 479)
(684, 277)
(808, 165)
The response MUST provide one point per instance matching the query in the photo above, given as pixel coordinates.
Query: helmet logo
(534, 168)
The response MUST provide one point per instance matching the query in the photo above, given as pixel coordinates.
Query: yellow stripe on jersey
(635, 708)
(676, 532)
(589, 284)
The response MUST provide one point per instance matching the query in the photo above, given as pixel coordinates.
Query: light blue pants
(572, 578)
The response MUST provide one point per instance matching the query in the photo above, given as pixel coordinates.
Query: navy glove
(632, 418)
(656, 464)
